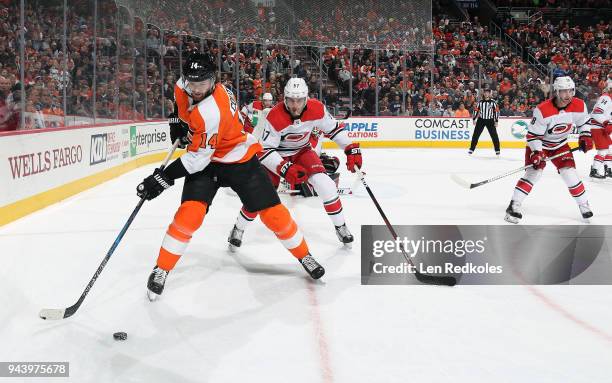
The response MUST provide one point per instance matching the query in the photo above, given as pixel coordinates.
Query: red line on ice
(326, 370)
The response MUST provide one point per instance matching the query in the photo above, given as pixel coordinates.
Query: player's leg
(325, 188)
(608, 158)
(494, 137)
(522, 189)
(476, 135)
(257, 193)
(244, 218)
(598, 168)
(198, 192)
(567, 169)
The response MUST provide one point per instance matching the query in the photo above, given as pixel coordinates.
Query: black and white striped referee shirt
(487, 110)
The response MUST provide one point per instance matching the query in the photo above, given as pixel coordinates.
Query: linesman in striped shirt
(486, 115)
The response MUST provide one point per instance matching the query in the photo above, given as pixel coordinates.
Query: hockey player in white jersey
(254, 109)
(288, 153)
(553, 120)
(601, 129)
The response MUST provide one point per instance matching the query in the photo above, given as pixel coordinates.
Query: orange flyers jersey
(183, 101)
(550, 127)
(218, 132)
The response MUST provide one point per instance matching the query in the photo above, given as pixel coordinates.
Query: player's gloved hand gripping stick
(423, 278)
(69, 311)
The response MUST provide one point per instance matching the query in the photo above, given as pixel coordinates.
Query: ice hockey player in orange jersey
(219, 153)
(553, 121)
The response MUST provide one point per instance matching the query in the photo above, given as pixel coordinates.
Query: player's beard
(200, 97)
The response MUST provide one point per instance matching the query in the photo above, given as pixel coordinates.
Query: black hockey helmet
(199, 67)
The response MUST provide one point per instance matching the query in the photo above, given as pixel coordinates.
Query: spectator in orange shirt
(462, 112)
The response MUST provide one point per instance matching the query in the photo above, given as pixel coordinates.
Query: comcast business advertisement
(488, 255)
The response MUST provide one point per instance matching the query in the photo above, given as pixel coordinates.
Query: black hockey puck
(120, 335)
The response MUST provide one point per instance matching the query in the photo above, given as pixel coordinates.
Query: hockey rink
(256, 316)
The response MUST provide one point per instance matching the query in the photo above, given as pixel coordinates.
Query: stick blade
(460, 181)
(436, 280)
(52, 314)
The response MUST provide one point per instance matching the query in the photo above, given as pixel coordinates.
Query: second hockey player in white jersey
(553, 121)
(601, 129)
(288, 153)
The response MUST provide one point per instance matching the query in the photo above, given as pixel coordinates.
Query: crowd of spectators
(584, 52)
(130, 82)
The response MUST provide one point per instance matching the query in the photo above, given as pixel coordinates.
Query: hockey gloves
(353, 157)
(537, 158)
(292, 173)
(179, 129)
(585, 141)
(154, 185)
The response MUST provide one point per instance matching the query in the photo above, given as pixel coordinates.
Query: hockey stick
(341, 191)
(468, 185)
(423, 278)
(55, 314)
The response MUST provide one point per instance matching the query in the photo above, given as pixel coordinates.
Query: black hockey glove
(179, 129)
(154, 185)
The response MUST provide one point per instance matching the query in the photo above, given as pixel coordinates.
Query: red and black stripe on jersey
(552, 144)
(593, 121)
(533, 136)
(265, 153)
(339, 128)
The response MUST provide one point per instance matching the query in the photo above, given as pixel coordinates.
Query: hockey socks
(278, 219)
(187, 220)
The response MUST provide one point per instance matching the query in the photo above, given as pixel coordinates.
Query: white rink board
(36, 162)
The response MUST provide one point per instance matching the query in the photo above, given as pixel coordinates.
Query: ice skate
(513, 213)
(595, 174)
(235, 239)
(585, 210)
(345, 236)
(155, 285)
(608, 171)
(312, 267)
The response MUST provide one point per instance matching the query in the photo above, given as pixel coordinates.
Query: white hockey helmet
(267, 97)
(296, 88)
(562, 83)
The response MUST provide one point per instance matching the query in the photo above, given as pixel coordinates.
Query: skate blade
(152, 296)
(348, 246)
(511, 219)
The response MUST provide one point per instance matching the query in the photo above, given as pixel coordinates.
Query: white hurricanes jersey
(601, 115)
(259, 123)
(283, 136)
(550, 126)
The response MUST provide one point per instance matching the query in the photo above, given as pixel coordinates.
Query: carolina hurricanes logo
(560, 129)
(294, 137)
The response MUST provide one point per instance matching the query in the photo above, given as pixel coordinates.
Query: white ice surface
(254, 316)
